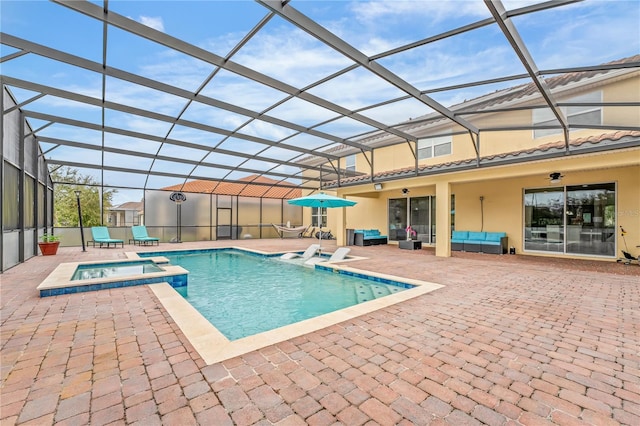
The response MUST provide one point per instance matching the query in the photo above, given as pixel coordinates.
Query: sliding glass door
(398, 219)
(591, 213)
(576, 219)
(417, 212)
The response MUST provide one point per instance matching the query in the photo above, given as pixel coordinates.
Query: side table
(410, 244)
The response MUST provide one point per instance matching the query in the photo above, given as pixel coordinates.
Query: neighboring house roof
(255, 186)
(551, 149)
(130, 205)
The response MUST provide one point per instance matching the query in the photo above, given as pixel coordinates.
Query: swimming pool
(242, 294)
(213, 346)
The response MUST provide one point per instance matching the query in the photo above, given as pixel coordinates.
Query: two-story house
(552, 193)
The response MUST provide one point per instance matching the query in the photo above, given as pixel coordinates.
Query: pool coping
(214, 347)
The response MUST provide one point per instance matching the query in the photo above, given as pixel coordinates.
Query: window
(434, 147)
(350, 163)
(319, 216)
(575, 115)
(10, 198)
(41, 205)
(29, 202)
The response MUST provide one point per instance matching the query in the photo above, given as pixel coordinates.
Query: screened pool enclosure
(140, 98)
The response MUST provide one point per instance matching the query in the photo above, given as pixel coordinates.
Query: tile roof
(541, 149)
(498, 97)
(255, 186)
(130, 205)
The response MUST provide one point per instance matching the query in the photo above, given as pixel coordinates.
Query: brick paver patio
(508, 340)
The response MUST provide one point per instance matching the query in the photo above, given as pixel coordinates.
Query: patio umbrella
(321, 200)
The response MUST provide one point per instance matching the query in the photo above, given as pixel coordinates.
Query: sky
(581, 34)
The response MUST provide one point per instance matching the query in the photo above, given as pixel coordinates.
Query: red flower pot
(49, 249)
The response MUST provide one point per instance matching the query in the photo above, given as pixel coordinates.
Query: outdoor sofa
(368, 237)
(480, 242)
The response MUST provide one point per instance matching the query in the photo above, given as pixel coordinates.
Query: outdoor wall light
(555, 177)
(405, 190)
(377, 186)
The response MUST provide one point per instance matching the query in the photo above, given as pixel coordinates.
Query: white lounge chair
(337, 255)
(308, 253)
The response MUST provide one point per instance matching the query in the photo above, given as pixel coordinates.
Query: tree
(67, 181)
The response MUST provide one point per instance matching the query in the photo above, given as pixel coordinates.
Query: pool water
(87, 272)
(243, 294)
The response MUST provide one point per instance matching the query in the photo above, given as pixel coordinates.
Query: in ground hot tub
(90, 276)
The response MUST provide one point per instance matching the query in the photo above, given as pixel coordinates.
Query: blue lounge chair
(141, 236)
(101, 236)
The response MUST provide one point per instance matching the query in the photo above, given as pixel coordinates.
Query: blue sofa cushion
(369, 233)
(494, 236)
(476, 236)
(459, 236)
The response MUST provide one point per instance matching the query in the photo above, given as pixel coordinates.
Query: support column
(341, 223)
(443, 219)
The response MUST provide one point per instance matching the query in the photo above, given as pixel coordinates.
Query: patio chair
(337, 255)
(141, 236)
(308, 253)
(309, 232)
(101, 236)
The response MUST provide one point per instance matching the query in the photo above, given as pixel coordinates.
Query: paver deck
(508, 340)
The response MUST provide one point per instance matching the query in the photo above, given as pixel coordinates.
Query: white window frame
(427, 147)
(350, 163)
(319, 216)
(546, 116)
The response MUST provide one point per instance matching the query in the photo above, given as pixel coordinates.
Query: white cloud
(435, 10)
(154, 22)
(291, 55)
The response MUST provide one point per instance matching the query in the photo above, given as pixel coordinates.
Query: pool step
(364, 293)
(379, 290)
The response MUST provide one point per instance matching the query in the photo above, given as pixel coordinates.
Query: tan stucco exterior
(502, 187)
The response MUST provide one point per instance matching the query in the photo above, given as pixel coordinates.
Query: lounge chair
(101, 236)
(309, 232)
(308, 253)
(141, 236)
(337, 255)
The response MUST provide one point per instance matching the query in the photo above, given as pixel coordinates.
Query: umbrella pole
(320, 242)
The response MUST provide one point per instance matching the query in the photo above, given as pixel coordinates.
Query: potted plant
(49, 244)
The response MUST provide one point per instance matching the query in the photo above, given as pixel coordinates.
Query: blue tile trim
(179, 280)
(209, 250)
(366, 277)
